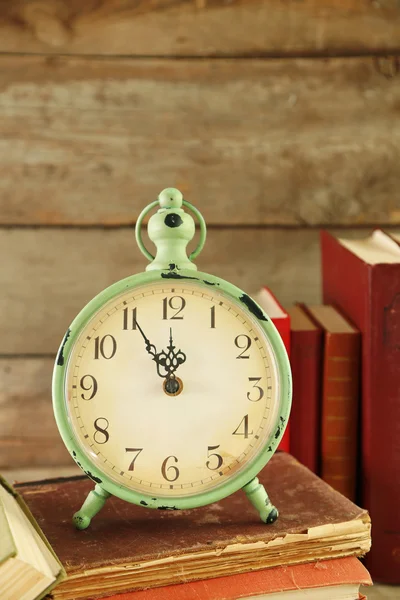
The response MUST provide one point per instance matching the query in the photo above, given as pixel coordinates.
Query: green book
(29, 569)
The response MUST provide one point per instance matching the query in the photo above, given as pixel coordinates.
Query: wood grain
(199, 27)
(292, 142)
(54, 273)
(28, 432)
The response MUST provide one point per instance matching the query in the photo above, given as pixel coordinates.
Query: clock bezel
(237, 481)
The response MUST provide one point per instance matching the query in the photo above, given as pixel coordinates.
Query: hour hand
(150, 348)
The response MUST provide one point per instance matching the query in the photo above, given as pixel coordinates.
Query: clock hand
(176, 358)
(172, 360)
(150, 348)
(168, 361)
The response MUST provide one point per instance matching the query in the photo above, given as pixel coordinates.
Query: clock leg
(257, 495)
(92, 505)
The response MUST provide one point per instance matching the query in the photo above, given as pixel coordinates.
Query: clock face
(172, 388)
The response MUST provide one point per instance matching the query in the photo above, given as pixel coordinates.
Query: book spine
(283, 326)
(381, 423)
(370, 296)
(340, 395)
(306, 355)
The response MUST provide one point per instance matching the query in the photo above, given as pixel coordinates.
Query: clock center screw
(173, 386)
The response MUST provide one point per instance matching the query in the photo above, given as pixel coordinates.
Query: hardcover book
(306, 363)
(281, 319)
(362, 278)
(128, 547)
(29, 569)
(337, 579)
(340, 399)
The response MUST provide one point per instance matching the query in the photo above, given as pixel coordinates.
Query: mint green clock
(172, 388)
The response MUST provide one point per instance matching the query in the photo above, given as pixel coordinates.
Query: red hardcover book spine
(340, 392)
(305, 359)
(370, 296)
(283, 326)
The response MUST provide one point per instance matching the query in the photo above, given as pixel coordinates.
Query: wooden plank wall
(273, 118)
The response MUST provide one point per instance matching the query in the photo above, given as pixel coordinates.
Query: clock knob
(171, 228)
(170, 198)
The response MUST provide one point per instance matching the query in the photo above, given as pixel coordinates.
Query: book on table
(29, 569)
(340, 391)
(362, 278)
(336, 579)
(129, 548)
(306, 364)
(281, 319)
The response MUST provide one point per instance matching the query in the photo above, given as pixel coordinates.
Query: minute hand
(171, 359)
(167, 362)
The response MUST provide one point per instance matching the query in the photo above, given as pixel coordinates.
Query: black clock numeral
(260, 391)
(138, 451)
(244, 427)
(129, 320)
(212, 310)
(243, 342)
(172, 476)
(105, 347)
(92, 387)
(218, 457)
(176, 303)
(101, 435)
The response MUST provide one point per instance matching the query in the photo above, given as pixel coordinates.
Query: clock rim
(237, 481)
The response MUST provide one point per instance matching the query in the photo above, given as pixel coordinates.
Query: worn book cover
(343, 577)
(129, 547)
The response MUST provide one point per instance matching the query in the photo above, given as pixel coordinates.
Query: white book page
(30, 546)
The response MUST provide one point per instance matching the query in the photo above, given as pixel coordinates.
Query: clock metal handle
(161, 215)
(138, 230)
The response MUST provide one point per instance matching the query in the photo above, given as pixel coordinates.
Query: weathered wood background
(275, 118)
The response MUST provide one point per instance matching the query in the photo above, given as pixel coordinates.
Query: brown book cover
(306, 364)
(340, 399)
(128, 547)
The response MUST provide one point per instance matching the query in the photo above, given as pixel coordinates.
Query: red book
(339, 399)
(281, 319)
(339, 578)
(306, 362)
(362, 278)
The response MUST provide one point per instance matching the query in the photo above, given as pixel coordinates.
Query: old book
(362, 278)
(128, 547)
(29, 568)
(340, 398)
(281, 319)
(306, 363)
(390, 237)
(337, 579)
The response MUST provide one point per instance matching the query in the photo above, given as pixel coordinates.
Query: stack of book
(217, 552)
(345, 354)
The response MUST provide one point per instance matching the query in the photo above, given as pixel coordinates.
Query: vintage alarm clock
(172, 388)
